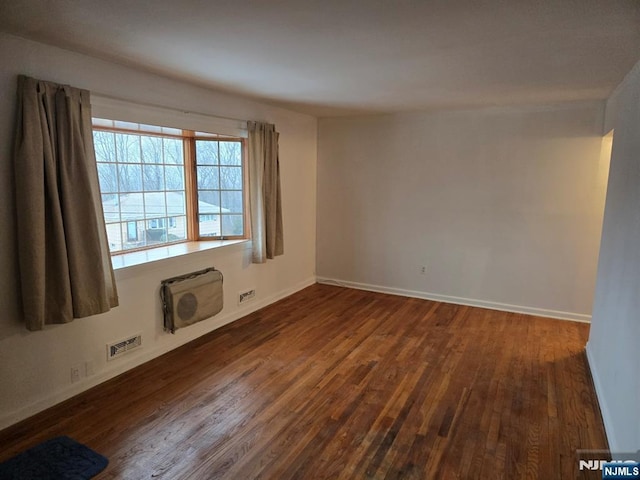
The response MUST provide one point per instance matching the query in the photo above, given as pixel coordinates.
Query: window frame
(191, 153)
(189, 139)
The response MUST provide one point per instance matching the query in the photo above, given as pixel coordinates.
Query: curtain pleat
(265, 195)
(63, 252)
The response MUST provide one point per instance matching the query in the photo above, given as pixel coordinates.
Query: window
(164, 185)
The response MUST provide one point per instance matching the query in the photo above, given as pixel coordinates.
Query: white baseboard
(504, 307)
(138, 358)
(604, 410)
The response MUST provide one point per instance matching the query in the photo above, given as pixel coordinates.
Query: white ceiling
(336, 57)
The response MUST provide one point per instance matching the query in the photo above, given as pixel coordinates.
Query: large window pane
(153, 177)
(156, 231)
(208, 202)
(209, 225)
(124, 235)
(231, 201)
(176, 203)
(111, 208)
(155, 205)
(232, 225)
(114, 235)
(132, 235)
(152, 149)
(173, 151)
(174, 178)
(131, 206)
(130, 177)
(176, 228)
(206, 152)
(231, 178)
(230, 153)
(208, 177)
(108, 176)
(132, 232)
(105, 147)
(128, 148)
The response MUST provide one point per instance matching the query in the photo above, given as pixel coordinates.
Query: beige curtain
(63, 253)
(264, 192)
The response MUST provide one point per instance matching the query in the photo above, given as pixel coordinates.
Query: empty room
(312, 240)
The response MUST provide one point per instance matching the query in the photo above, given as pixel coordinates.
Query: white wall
(35, 366)
(503, 206)
(614, 341)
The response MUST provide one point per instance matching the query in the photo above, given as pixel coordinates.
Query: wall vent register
(121, 347)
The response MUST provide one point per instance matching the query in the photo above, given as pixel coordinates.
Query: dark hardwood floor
(340, 383)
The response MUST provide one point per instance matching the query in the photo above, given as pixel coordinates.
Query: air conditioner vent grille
(246, 296)
(121, 347)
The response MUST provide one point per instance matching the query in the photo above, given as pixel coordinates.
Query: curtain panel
(63, 252)
(264, 192)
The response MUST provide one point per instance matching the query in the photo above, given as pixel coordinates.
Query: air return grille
(246, 296)
(121, 347)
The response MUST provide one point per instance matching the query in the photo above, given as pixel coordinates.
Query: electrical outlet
(423, 270)
(75, 373)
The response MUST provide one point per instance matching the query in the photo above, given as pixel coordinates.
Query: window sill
(126, 260)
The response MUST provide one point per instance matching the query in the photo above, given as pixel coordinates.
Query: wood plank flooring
(341, 383)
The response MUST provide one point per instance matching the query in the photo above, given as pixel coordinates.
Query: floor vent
(121, 347)
(247, 295)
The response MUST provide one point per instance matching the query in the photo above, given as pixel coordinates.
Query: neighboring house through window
(132, 231)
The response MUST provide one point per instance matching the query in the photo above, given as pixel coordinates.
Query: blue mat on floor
(60, 458)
